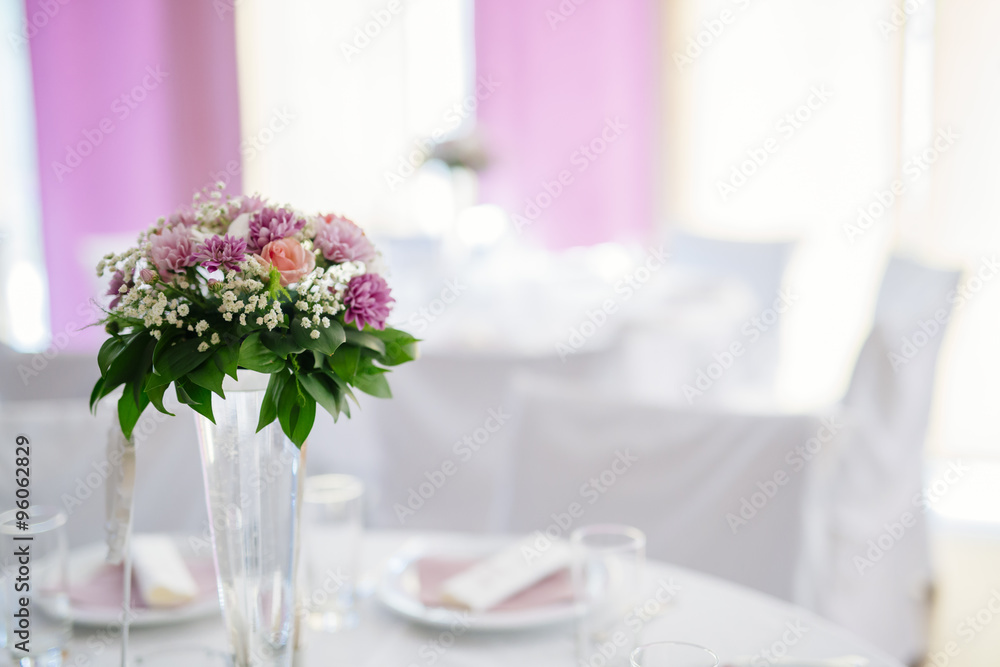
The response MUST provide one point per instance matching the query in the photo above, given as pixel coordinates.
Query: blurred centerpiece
(271, 311)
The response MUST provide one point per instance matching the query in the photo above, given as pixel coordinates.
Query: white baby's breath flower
(314, 334)
(203, 346)
(215, 339)
(155, 333)
(243, 319)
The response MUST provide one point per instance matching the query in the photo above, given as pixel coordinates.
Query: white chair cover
(720, 492)
(882, 592)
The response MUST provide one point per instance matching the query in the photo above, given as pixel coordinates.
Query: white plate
(399, 590)
(85, 560)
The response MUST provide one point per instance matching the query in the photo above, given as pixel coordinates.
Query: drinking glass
(36, 619)
(332, 521)
(673, 654)
(608, 562)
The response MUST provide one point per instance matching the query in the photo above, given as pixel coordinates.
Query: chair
(753, 270)
(883, 594)
(719, 492)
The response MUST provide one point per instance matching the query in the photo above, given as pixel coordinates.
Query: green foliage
(305, 371)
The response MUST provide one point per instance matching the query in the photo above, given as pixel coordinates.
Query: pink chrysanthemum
(366, 301)
(172, 251)
(343, 241)
(272, 224)
(247, 204)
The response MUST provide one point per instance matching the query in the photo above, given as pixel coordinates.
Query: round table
(733, 621)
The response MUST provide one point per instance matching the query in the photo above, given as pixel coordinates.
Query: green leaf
(180, 359)
(365, 339)
(209, 375)
(296, 412)
(269, 406)
(400, 347)
(167, 337)
(109, 350)
(227, 357)
(281, 343)
(199, 398)
(373, 383)
(123, 366)
(345, 361)
(255, 356)
(129, 410)
(330, 338)
(155, 394)
(324, 391)
(97, 394)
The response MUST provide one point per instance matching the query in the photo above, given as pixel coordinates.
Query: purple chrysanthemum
(172, 251)
(114, 289)
(343, 241)
(272, 224)
(222, 252)
(366, 301)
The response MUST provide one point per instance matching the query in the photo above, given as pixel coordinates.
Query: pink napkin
(103, 590)
(556, 588)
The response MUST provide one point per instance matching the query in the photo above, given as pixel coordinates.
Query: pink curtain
(136, 106)
(567, 98)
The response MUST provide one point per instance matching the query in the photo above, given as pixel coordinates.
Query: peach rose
(290, 258)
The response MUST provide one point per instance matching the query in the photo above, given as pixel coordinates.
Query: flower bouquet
(226, 286)
(240, 283)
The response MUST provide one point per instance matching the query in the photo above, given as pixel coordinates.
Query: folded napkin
(161, 578)
(434, 572)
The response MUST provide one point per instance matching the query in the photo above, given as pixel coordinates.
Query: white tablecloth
(732, 620)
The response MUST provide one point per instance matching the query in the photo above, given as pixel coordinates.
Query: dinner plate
(399, 590)
(87, 560)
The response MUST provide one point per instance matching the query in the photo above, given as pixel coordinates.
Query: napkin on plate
(161, 573)
(519, 576)
(153, 575)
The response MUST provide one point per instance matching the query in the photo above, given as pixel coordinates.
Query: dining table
(743, 626)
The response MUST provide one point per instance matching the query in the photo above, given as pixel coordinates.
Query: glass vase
(252, 486)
